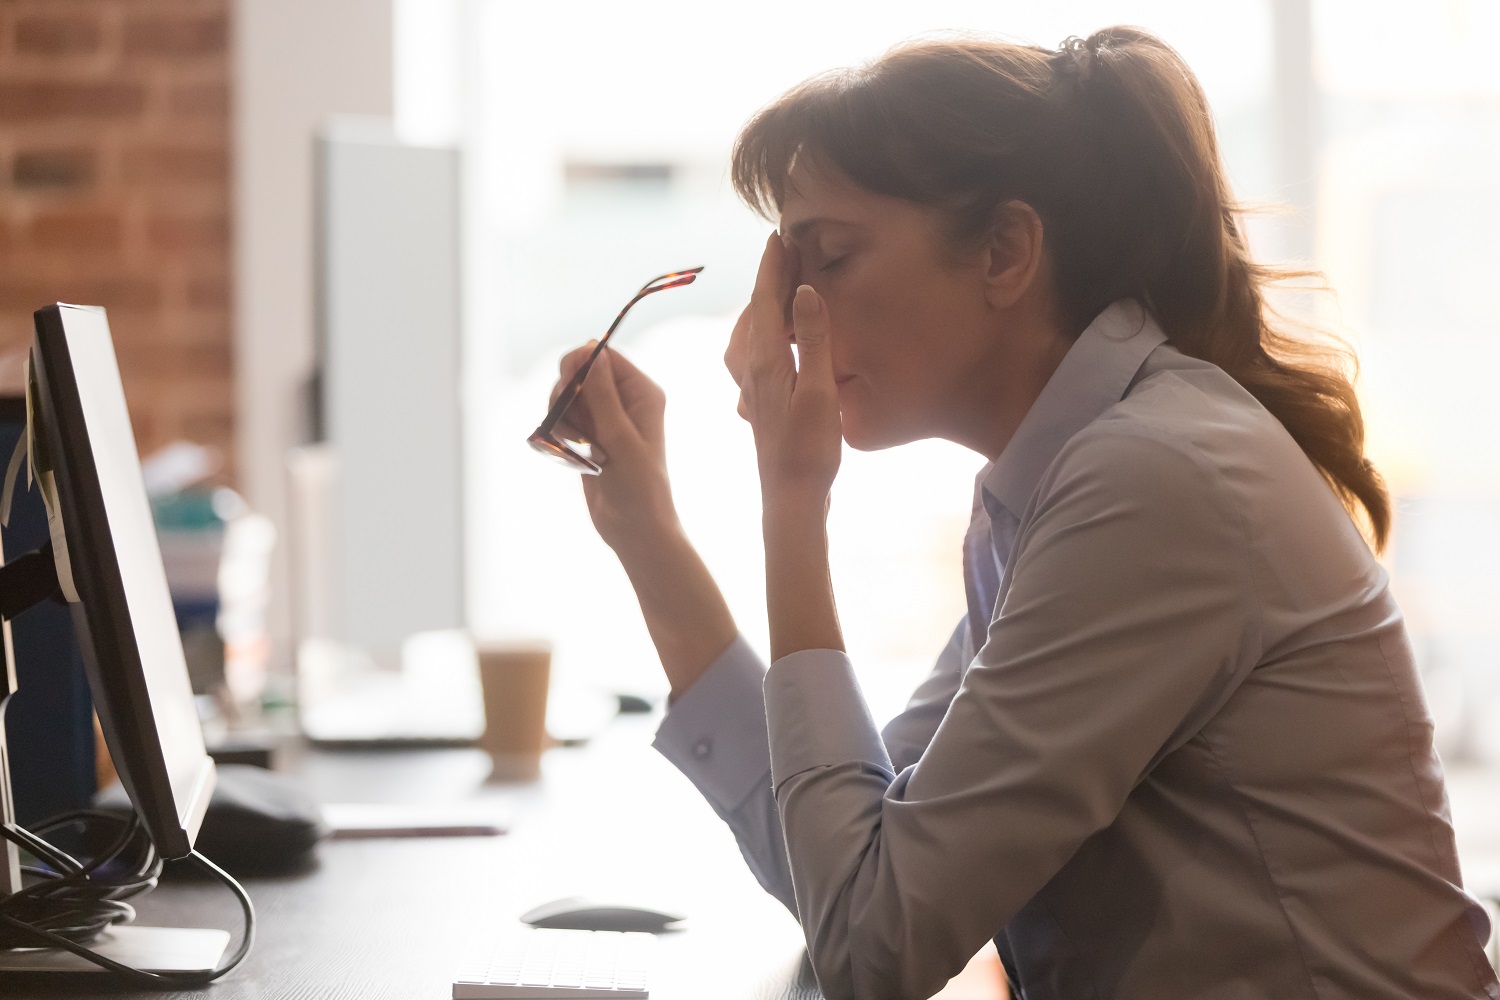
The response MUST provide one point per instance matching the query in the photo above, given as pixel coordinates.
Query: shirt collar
(1093, 376)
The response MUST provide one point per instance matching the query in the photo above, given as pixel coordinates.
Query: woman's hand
(792, 405)
(793, 409)
(620, 413)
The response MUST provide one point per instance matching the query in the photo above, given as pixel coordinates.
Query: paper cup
(514, 675)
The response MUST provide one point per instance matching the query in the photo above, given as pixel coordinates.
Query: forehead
(817, 192)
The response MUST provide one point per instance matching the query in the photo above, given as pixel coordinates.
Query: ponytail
(1111, 140)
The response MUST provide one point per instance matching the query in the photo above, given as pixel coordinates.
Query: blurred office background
(158, 157)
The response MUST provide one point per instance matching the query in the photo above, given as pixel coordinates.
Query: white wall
(295, 63)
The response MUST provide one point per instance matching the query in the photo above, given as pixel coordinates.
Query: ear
(1013, 254)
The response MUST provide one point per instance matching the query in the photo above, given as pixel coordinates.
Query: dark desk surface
(388, 918)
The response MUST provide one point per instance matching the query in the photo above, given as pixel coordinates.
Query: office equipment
(634, 704)
(579, 913)
(257, 820)
(103, 558)
(559, 964)
(433, 699)
(366, 820)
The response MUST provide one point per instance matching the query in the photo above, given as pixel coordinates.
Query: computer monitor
(123, 612)
(108, 566)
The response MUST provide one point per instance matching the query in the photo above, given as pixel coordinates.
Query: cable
(76, 900)
(71, 903)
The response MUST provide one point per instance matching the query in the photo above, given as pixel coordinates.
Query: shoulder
(1184, 437)
(1123, 464)
(1129, 509)
(1151, 485)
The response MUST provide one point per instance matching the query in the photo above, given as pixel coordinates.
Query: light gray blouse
(1191, 759)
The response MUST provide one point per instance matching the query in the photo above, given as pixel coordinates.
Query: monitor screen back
(124, 617)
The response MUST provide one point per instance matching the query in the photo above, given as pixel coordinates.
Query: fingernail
(809, 296)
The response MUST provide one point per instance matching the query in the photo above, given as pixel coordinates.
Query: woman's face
(912, 332)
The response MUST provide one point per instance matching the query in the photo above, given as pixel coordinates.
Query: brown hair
(1111, 141)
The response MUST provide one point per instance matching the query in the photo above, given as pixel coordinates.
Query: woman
(1178, 747)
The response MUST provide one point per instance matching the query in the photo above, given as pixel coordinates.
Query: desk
(379, 919)
(388, 919)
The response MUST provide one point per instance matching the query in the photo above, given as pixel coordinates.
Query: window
(601, 135)
(1407, 218)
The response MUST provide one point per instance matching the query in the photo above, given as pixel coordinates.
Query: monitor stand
(24, 582)
(150, 949)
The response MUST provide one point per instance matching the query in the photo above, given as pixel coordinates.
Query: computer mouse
(577, 913)
(634, 704)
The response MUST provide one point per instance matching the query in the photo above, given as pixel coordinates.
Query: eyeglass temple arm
(570, 391)
(655, 284)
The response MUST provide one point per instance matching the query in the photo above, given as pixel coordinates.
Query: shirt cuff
(715, 733)
(817, 716)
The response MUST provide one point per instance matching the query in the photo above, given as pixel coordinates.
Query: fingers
(767, 347)
(602, 397)
(626, 373)
(616, 401)
(568, 366)
(737, 354)
(815, 359)
(569, 431)
(638, 394)
(737, 358)
(770, 282)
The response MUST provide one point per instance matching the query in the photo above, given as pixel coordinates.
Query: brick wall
(114, 191)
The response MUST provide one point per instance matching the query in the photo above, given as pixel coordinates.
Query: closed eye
(835, 264)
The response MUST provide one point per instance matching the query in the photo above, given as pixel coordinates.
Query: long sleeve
(1127, 619)
(907, 735)
(715, 734)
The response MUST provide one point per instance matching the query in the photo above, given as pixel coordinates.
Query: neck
(1028, 348)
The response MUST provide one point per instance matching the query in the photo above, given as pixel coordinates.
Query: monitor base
(150, 949)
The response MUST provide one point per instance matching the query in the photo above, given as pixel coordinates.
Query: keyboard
(548, 964)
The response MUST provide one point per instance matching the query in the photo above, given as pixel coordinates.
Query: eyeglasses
(575, 454)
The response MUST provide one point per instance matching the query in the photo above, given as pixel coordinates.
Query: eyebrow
(799, 230)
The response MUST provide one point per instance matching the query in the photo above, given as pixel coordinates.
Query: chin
(864, 435)
(873, 424)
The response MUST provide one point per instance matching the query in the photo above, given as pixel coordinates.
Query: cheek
(871, 329)
(897, 344)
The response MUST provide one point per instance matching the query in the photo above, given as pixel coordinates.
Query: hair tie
(1078, 57)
